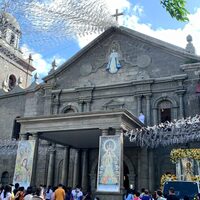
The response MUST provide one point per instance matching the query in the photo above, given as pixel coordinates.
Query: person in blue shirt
(129, 195)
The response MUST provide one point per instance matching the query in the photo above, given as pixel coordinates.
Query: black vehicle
(182, 188)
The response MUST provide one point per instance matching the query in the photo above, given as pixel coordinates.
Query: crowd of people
(43, 193)
(66, 193)
(157, 195)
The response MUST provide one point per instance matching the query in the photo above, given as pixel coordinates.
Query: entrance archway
(5, 178)
(126, 177)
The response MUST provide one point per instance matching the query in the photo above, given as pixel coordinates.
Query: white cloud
(86, 39)
(173, 36)
(41, 64)
(138, 10)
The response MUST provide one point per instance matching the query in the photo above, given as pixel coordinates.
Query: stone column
(80, 106)
(76, 174)
(85, 108)
(181, 106)
(92, 182)
(50, 174)
(119, 132)
(88, 105)
(151, 171)
(143, 169)
(148, 108)
(48, 99)
(139, 104)
(84, 179)
(65, 168)
(35, 159)
(155, 116)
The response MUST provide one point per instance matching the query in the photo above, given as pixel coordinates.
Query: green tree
(176, 8)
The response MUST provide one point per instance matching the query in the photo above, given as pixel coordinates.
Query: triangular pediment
(134, 35)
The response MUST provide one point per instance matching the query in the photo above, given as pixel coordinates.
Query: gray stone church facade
(96, 92)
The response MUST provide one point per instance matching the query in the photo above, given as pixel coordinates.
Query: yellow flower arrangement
(177, 154)
(167, 177)
(196, 178)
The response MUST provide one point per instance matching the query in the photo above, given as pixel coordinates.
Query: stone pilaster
(80, 106)
(65, 168)
(151, 171)
(139, 104)
(88, 103)
(50, 174)
(143, 169)
(48, 99)
(155, 116)
(181, 106)
(148, 110)
(76, 174)
(84, 179)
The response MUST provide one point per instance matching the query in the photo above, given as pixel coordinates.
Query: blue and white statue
(113, 63)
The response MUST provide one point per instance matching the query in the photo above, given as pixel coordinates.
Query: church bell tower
(14, 69)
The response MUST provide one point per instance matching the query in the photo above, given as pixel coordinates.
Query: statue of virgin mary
(113, 63)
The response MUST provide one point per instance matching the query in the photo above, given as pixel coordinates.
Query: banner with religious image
(24, 163)
(187, 164)
(109, 165)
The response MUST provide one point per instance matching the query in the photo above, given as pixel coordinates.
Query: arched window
(16, 129)
(69, 110)
(12, 39)
(83, 106)
(11, 82)
(5, 178)
(165, 111)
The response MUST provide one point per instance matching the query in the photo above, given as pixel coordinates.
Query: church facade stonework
(100, 89)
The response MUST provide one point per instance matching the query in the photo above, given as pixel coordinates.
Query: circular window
(12, 82)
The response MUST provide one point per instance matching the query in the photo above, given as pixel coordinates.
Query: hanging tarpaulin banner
(109, 165)
(24, 163)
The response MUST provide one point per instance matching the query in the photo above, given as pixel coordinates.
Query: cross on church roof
(117, 14)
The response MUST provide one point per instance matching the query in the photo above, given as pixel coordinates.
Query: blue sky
(146, 16)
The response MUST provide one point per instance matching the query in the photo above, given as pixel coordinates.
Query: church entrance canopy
(79, 130)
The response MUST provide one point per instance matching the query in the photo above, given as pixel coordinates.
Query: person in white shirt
(28, 195)
(6, 194)
(77, 193)
(48, 193)
(141, 117)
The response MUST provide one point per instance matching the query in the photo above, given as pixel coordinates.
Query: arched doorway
(5, 178)
(165, 111)
(126, 177)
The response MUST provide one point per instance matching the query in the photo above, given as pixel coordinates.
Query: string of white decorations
(169, 133)
(8, 146)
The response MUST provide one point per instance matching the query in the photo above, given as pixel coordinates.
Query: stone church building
(102, 88)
